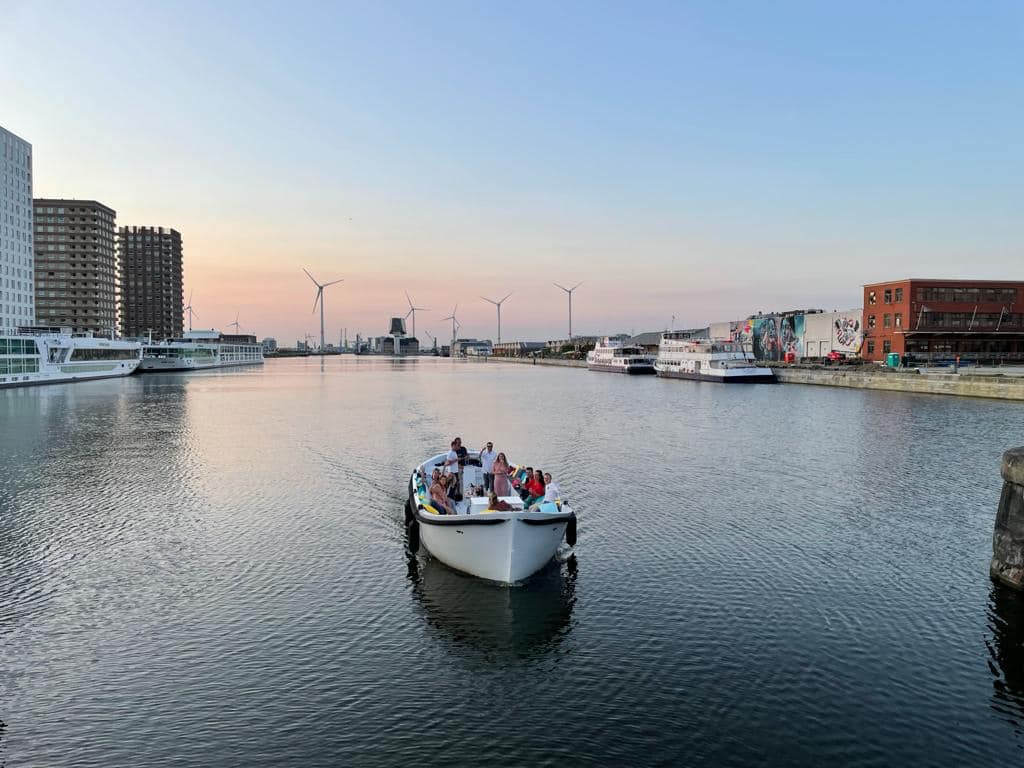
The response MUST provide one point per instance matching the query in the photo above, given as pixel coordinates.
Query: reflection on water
(500, 621)
(1006, 650)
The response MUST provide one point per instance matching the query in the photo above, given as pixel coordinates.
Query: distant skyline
(704, 160)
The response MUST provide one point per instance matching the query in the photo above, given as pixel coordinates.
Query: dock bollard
(1008, 537)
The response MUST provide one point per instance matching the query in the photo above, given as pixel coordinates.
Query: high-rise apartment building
(75, 266)
(151, 281)
(17, 302)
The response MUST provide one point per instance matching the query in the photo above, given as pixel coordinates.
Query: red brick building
(942, 319)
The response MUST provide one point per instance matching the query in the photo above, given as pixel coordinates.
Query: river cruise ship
(202, 349)
(31, 356)
(614, 356)
(727, 362)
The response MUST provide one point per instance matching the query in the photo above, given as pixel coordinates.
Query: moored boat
(502, 546)
(682, 357)
(42, 355)
(197, 350)
(615, 357)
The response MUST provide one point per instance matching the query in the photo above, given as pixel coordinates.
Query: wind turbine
(320, 300)
(498, 305)
(454, 320)
(412, 311)
(433, 339)
(569, 291)
(235, 324)
(191, 311)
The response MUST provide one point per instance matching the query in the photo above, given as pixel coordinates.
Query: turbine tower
(451, 349)
(412, 311)
(190, 311)
(569, 291)
(498, 305)
(320, 300)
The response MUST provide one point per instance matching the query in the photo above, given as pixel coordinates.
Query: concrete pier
(1008, 537)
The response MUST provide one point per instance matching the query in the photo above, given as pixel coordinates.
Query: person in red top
(535, 488)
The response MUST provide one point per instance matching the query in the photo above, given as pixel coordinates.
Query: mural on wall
(848, 334)
(773, 337)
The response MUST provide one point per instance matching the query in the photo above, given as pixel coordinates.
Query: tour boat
(54, 355)
(683, 357)
(201, 349)
(505, 547)
(614, 356)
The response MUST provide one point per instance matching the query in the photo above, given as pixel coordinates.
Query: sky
(702, 160)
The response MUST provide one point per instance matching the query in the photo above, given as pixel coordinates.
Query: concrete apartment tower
(76, 269)
(17, 299)
(151, 282)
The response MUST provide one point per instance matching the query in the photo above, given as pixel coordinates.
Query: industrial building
(928, 320)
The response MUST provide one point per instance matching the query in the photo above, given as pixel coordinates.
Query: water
(211, 570)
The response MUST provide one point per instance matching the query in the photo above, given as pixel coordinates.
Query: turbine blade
(408, 313)
(193, 312)
(492, 301)
(562, 287)
(342, 280)
(190, 296)
(317, 299)
(509, 294)
(577, 285)
(311, 278)
(407, 298)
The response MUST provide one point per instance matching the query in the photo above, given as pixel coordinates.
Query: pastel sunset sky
(698, 159)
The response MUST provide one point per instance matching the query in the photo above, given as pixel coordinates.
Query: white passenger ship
(54, 355)
(202, 349)
(612, 355)
(683, 357)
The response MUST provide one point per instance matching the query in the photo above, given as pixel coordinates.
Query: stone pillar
(1008, 538)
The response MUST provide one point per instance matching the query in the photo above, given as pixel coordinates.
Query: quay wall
(964, 385)
(1008, 535)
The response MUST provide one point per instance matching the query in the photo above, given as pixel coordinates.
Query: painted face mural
(848, 333)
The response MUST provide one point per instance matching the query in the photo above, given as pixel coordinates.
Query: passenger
(487, 457)
(496, 504)
(551, 490)
(520, 485)
(451, 461)
(439, 494)
(534, 488)
(500, 470)
(461, 453)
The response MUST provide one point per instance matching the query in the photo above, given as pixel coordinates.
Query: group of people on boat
(533, 486)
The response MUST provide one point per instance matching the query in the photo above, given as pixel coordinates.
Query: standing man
(487, 457)
(462, 453)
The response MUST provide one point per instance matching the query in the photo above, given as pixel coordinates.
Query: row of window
(888, 320)
(887, 296)
(886, 346)
(17, 347)
(104, 354)
(9, 365)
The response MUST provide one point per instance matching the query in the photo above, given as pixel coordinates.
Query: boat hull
(505, 549)
(167, 365)
(742, 378)
(633, 370)
(38, 379)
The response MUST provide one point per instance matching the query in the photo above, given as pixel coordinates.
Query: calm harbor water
(210, 569)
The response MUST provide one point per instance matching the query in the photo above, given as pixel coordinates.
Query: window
(886, 347)
(871, 346)
(871, 298)
(871, 321)
(899, 319)
(899, 295)
(887, 296)
(887, 320)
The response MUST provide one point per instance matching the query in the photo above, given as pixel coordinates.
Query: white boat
(505, 547)
(31, 356)
(614, 356)
(683, 357)
(201, 349)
